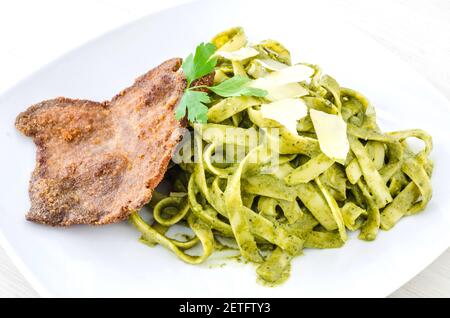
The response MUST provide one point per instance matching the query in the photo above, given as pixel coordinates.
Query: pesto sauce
(285, 274)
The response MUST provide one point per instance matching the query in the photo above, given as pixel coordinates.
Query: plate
(108, 260)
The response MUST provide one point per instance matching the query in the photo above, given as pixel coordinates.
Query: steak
(98, 162)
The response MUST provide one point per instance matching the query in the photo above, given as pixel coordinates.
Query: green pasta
(277, 192)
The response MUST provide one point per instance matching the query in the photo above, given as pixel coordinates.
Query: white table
(35, 32)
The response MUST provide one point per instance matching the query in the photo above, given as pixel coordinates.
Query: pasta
(306, 199)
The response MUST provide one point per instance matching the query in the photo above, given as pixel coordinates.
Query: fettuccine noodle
(308, 200)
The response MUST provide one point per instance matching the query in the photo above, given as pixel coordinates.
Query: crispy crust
(97, 163)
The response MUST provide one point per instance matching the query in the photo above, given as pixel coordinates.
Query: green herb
(237, 86)
(194, 102)
(201, 64)
(198, 65)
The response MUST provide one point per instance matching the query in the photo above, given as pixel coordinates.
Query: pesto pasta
(293, 179)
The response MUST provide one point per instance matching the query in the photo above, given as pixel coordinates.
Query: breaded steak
(97, 163)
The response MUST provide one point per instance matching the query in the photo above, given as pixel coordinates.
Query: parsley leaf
(193, 101)
(200, 64)
(188, 69)
(237, 86)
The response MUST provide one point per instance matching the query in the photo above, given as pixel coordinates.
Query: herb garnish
(198, 65)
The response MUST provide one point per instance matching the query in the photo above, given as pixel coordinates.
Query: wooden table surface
(416, 30)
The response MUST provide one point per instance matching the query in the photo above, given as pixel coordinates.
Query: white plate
(108, 260)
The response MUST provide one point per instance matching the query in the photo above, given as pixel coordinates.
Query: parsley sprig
(193, 101)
